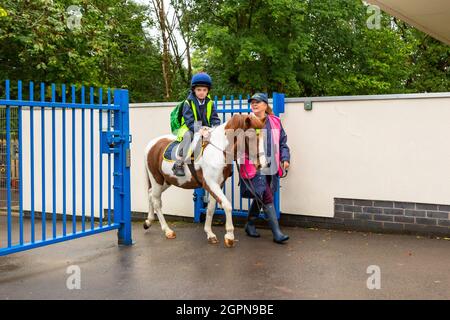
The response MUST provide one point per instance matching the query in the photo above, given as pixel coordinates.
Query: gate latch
(110, 140)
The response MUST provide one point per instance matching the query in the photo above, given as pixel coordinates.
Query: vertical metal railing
(32, 223)
(19, 132)
(74, 168)
(91, 100)
(63, 143)
(8, 165)
(43, 188)
(53, 162)
(100, 170)
(109, 161)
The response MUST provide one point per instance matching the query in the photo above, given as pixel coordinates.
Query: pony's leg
(226, 205)
(151, 211)
(157, 191)
(209, 215)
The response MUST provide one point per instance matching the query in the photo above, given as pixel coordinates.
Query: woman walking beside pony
(260, 184)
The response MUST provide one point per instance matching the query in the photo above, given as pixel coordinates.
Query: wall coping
(321, 99)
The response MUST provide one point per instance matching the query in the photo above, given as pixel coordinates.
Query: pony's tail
(147, 173)
(149, 183)
(147, 222)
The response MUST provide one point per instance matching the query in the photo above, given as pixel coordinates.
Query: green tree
(250, 45)
(110, 48)
(429, 61)
(299, 47)
(346, 57)
(314, 48)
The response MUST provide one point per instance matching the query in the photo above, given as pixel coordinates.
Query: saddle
(172, 150)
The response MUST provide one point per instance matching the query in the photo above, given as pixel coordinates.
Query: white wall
(145, 124)
(373, 149)
(382, 150)
(69, 164)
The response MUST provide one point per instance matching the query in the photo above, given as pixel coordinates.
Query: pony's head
(243, 141)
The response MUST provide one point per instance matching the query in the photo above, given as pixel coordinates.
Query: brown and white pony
(212, 168)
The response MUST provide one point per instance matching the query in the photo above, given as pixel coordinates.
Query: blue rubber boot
(253, 214)
(271, 217)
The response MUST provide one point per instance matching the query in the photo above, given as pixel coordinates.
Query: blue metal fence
(18, 224)
(200, 195)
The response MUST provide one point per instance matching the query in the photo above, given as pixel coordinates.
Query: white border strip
(373, 97)
(319, 99)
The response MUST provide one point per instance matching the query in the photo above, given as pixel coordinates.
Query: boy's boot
(178, 166)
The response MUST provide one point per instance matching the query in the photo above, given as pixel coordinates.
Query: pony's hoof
(146, 225)
(171, 235)
(229, 243)
(213, 240)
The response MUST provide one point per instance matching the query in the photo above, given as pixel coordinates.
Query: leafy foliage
(110, 48)
(314, 48)
(299, 47)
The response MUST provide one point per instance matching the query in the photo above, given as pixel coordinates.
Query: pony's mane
(244, 122)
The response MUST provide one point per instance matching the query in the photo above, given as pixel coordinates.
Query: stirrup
(178, 169)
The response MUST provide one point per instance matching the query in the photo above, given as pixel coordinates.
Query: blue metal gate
(200, 195)
(29, 163)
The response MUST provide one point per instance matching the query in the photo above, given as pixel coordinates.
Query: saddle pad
(172, 149)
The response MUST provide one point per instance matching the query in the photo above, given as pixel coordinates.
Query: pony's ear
(235, 122)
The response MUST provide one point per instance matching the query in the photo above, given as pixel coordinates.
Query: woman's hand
(285, 165)
(205, 133)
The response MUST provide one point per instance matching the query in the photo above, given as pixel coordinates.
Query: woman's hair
(269, 109)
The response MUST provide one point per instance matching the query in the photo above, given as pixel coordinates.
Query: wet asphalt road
(315, 264)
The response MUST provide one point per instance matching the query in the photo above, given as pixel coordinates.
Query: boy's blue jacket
(201, 112)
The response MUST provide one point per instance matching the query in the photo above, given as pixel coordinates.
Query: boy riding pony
(197, 114)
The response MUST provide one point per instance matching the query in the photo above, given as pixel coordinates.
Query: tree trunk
(188, 56)
(158, 5)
